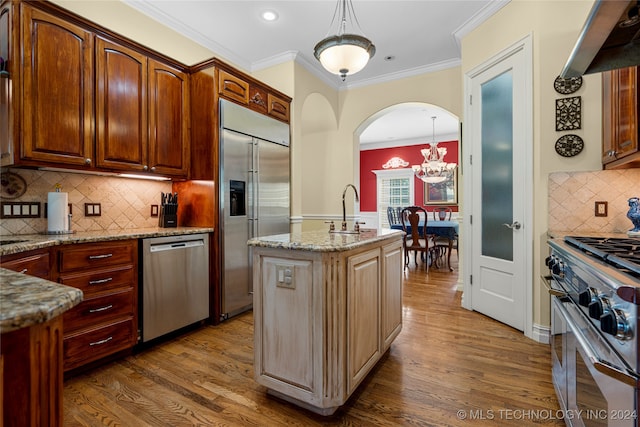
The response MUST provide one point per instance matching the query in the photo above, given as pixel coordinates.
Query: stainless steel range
(595, 283)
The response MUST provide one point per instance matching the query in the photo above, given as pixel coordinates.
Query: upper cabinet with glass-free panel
(620, 95)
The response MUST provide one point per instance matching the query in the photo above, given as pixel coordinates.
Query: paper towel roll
(57, 206)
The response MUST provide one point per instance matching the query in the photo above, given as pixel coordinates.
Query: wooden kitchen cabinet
(620, 97)
(144, 128)
(34, 263)
(337, 311)
(168, 120)
(242, 89)
(82, 97)
(106, 322)
(6, 85)
(121, 107)
(57, 90)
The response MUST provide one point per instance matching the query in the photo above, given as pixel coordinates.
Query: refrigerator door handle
(256, 183)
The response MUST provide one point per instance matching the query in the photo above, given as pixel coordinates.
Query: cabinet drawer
(232, 87)
(33, 264)
(99, 342)
(278, 108)
(98, 310)
(94, 282)
(96, 256)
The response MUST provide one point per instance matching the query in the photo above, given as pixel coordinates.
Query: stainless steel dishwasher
(175, 283)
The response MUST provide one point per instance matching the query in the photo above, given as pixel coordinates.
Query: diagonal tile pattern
(572, 197)
(126, 203)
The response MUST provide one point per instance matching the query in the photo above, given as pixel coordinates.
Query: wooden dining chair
(416, 239)
(442, 243)
(442, 214)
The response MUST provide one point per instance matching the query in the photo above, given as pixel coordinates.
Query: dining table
(447, 229)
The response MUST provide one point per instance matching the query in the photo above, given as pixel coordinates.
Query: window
(394, 188)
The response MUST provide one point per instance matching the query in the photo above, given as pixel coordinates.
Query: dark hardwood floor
(448, 367)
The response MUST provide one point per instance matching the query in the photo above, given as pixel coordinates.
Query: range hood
(610, 39)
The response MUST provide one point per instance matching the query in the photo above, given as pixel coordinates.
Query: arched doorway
(390, 143)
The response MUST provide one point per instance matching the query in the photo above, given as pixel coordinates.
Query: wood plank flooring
(448, 367)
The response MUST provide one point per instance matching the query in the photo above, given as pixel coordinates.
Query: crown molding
(476, 20)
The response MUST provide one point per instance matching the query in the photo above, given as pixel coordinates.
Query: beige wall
(554, 26)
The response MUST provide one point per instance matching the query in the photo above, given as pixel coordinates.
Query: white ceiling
(420, 35)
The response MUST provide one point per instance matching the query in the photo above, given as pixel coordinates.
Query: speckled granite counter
(27, 242)
(27, 300)
(323, 241)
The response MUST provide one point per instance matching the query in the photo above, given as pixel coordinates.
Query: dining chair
(442, 243)
(393, 214)
(416, 239)
(442, 214)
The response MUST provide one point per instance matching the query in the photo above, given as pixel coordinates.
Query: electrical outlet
(154, 210)
(601, 209)
(92, 209)
(284, 275)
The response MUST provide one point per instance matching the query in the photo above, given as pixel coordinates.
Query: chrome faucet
(344, 209)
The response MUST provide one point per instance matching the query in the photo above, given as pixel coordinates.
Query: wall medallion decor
(13, 185)
(569, 145)
(568, 113)
(567, 86)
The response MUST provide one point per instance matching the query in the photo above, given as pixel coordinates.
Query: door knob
(513, 225)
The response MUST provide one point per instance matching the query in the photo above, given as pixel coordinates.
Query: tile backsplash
(125, 202)
(572, 197)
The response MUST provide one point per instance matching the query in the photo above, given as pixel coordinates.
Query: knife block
(168, 215)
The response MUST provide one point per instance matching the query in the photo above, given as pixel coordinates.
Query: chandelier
(344, 53)
(434, 169)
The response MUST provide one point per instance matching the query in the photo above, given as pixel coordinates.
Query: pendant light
(344, 53)
(434, 169)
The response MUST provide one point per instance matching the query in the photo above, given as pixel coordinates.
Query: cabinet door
(363, 314)
(619, 113)
(626, 105)
(6, 108)
(168, 120)
(232, 87)
(57, 103)
(391, 293)
(121, 107)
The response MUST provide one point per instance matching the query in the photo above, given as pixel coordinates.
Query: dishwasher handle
(172, 246)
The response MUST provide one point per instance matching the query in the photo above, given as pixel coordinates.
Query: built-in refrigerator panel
(254, 195)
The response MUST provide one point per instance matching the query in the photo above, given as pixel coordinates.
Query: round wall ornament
(13, 185)
(567, 86)
(569, 145)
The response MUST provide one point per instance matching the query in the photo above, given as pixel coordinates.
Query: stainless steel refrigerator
(254, 195)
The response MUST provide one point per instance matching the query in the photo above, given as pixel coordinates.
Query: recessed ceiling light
(269, 15)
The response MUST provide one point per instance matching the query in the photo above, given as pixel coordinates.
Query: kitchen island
(327, 306)
(31, 348)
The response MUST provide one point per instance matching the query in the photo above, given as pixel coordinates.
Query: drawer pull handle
(24, 270)
(95, 310)
(100, 256)
(100, 281)
(101, 341)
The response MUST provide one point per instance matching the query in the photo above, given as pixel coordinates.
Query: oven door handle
(546, 280)
(601, 366)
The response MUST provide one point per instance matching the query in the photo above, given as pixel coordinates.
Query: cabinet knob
(87, 161)
(145, 167)
(153, 169)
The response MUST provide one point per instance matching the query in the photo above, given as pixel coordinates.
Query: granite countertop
(27, 242)
(323, 241)
(27, 300)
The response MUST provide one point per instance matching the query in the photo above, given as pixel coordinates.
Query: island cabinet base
(32, 379)
(323, 319)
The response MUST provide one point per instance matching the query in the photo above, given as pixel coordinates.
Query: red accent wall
(371, 160)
